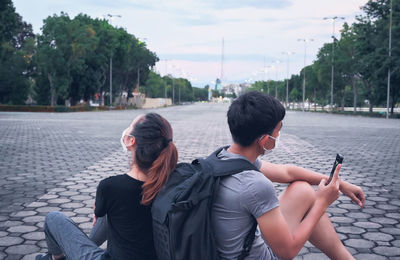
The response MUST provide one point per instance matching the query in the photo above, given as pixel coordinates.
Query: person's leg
(295, 202)
(98, 234)
(64, 236)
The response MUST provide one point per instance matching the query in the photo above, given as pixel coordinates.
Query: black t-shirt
(130, 234)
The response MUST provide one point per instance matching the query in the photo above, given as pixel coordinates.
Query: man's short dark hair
(252, 115)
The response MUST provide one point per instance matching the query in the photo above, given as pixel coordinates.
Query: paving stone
(387, 251)
(9, 241)
(34, 219)
(49, 196)
(21, 229)
(392, 231)
(378, 236)
(309, 140)
(393, 215)
(367, 225)
(84, 210)
(24, 213)
(351, 230)
(373, 211)
(10, 223)
(315, 256)
(29, 257)
(384, 221)
(34, 236)
(37, 204)
(358, 215)
(359, 243)
(396, 243)
(80, 219)
(59, 201)
(369, 257)
(72, 205)
(22, 249)
(47, 209)
(342, 220)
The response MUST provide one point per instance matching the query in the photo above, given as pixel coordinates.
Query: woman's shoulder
(112, 180)
(120, 179)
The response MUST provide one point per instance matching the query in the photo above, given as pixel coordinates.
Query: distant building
(236, 89)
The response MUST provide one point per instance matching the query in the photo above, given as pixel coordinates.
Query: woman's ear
(130, 142)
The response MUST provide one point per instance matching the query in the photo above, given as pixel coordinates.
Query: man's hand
(354, 192)
(328, 193)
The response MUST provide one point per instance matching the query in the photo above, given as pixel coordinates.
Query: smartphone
(338, 160)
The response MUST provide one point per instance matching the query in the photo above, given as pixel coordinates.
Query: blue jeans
(64, 236)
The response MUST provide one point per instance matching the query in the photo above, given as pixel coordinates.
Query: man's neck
(249, 152)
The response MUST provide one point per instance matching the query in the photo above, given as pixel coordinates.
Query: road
(54, 161)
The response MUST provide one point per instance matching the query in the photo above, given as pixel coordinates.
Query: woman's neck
(137, 174)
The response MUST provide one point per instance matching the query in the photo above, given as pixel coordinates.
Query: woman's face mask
(124, 148)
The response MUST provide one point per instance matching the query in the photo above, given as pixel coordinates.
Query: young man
(287, 222)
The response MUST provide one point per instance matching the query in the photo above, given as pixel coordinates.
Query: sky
(192, 38)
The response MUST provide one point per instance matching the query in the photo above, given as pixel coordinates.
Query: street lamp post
(390, 54)
(276, 77)
(111, 16)
(334, 18)
(288, 53)
(304, 69)
(166, 73)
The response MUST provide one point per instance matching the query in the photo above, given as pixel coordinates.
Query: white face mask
(122, 140)
(266, 151)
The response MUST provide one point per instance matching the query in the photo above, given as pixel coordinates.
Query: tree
(16, 49)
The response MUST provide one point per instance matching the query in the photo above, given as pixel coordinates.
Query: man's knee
(303, 191)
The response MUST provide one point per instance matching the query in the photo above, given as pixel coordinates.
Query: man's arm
(286, 243)
(285, 173)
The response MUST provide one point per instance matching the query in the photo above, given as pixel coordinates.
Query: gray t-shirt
(241, 198)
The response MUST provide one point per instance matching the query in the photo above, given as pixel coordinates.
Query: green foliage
(361, 62)
(74, 58)
(16, 49)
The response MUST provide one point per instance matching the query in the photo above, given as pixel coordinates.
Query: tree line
(70, 61)
(361, 64)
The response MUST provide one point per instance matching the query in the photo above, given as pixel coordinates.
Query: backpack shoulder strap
(248, 241)
(229, 166)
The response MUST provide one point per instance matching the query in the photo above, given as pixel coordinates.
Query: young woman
(124, 199)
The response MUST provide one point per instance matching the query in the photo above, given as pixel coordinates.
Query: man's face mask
(122, 140)
(266, 151)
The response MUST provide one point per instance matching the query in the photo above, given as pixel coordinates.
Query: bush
(58, 109)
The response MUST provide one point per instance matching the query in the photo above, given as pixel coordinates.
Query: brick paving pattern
(52, 161)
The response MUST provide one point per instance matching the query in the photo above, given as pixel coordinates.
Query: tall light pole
(304, 69)
(111, 16)
(276, 77)
(166, 73)
(288, 53)
(141, 41)
(390, 54)
(334, 18)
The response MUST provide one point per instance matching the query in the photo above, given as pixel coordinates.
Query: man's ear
(264, 139)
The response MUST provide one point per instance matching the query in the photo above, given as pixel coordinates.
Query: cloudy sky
(187, 35)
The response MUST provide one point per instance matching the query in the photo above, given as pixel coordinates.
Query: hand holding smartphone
(338, 160)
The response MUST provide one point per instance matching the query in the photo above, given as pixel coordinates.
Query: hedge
(22, 108)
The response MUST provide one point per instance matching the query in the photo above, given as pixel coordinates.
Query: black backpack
(181, 211)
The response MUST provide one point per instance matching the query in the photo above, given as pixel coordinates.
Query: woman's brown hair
(155, 154)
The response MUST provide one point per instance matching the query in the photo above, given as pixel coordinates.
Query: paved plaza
(54, 161)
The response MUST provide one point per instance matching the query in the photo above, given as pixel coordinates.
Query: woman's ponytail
(159, 172)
